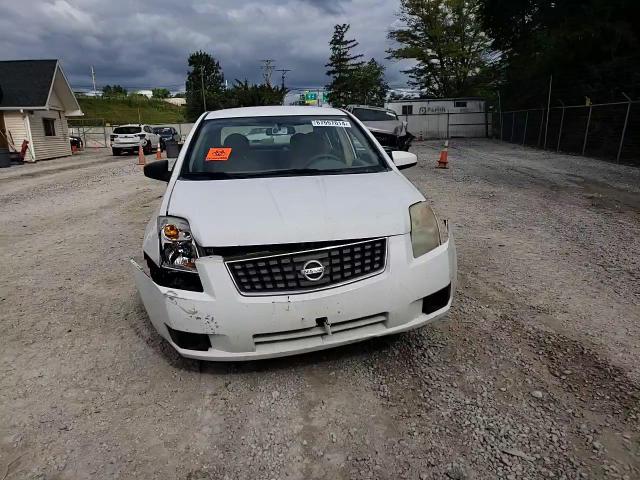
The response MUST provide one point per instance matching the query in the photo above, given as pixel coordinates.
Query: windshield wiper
(294, 172)
(290, 172)
(205, 175)
(317, 171)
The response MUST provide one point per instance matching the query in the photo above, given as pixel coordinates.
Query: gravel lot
(535, 375)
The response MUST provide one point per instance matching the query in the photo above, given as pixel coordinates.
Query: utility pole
(267, 70)
(500, 113)
(204, 98)
(546, 128)
(284, 74)
(93, 79)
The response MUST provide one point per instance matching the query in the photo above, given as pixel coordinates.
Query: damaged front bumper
(221, 324)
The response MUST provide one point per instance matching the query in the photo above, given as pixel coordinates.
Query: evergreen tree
(342, 67)
(205, 72)
(454, 57)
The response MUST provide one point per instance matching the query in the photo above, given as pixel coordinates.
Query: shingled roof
(26, 83)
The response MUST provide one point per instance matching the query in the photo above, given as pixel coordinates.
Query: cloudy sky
(145, 43)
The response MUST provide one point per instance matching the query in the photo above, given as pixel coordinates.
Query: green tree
(109, 91)
(244, 94)
(160, 93)
(591, 47)
(205, 73)
(342, 67)
(369, 85)
(454, 57)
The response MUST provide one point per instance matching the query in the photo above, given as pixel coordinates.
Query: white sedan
(261, 250)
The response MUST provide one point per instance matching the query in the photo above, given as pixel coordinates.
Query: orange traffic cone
(443, 162)
(141, 157)
(158, 153)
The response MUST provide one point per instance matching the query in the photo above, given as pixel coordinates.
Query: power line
(284, 72)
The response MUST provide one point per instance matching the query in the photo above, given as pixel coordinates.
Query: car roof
(131, 125)
(369, 107)
(273, 111)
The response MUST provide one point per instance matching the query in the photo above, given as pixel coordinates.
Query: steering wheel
(323, 157)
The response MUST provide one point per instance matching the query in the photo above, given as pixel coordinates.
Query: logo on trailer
(313, 270)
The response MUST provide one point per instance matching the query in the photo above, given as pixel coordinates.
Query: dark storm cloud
(145, 44)
(331, 6)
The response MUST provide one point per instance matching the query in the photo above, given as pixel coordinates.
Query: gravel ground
(535, 375)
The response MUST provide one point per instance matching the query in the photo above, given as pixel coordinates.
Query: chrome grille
(281, 274)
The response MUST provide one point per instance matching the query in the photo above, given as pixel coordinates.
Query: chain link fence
(609, 131)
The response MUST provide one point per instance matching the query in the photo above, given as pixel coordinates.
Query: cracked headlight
(425, 235)
(178, 249)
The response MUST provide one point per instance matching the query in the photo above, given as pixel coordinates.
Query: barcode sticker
(331, 123)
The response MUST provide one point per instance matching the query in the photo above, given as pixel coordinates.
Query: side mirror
(158, 170)
(404, 160)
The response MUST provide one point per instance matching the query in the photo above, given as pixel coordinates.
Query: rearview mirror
(158, 170)
(283, 130)
(404, 160)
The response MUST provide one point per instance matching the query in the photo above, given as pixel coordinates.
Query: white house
(35, 101)
(180, 101)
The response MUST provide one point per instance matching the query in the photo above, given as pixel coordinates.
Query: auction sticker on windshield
(218, 154)
(330, 123)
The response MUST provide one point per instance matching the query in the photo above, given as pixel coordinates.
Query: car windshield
(280, 146)
(159, 130)
(370, 115)
(126, 130)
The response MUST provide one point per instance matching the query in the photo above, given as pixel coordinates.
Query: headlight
(425, 235)
(178, 250)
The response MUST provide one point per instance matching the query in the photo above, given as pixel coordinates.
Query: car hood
(392, 127)
(263, 211)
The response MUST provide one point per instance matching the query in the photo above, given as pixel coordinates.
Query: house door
(3, 133)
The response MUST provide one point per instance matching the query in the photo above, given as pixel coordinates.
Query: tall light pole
(204, 98)
(93, 78)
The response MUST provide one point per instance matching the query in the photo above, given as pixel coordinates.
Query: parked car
(166, 134)
(259, 251)
(127, 138)
(76, 141)
(385, 125)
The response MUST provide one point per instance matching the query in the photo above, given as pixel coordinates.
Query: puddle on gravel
(606, 196)
(601, 386)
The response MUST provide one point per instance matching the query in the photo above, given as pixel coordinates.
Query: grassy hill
(118, 111)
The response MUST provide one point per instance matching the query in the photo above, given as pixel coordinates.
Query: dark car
(166, 134)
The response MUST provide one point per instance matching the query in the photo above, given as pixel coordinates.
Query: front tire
(148, 148)
(115, 152)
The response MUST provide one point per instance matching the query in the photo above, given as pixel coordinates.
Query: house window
(460, 104)
(407, 109)
(49, 126)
